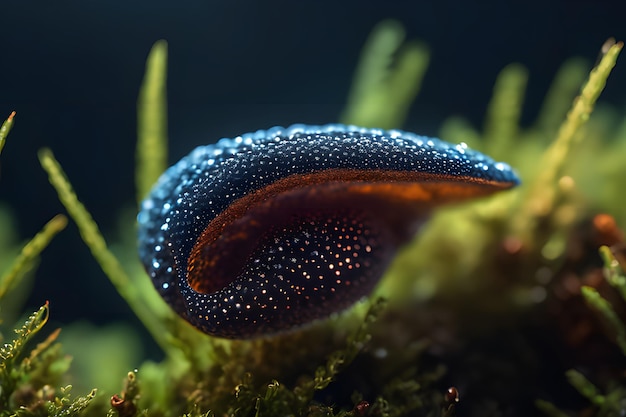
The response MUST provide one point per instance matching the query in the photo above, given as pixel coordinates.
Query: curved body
(280, 227)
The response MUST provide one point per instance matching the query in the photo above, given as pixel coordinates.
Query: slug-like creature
(275, 229)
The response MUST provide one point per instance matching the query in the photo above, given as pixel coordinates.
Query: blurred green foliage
(475, 269)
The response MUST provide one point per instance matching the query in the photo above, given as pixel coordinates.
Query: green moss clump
(472, 301)
(30, 383)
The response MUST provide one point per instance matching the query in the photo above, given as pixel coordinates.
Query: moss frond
(95, 241)
(585, 387)
(388, 78)
(27, 386)
(605, 309)
(529, 226)
(6, 127)
(549, 409)
(504, 110)
(30, 254)
(64, 406)
(9, 351)
(152, 121)
(338, 361)
(21, 264)
(570, 76)
(541, 196)
(614, 272)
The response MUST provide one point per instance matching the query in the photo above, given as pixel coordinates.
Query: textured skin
(315, 261)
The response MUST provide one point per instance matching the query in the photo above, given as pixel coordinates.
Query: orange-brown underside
(416, 193)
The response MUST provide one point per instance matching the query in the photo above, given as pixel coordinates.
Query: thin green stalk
(543, 194)
(5, 129)
(585, 387)
(388, 78)
(503, 114)
(30, 253)
(549, 409)
(108, 262)
(613, 271)
(604, 308)
(152, 121)
(559, 97)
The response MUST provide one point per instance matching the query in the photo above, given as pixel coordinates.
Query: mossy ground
(499, 307)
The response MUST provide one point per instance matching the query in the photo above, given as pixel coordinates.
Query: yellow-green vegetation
(30, 382)
(471, 301)
(5, 129)
(532, 221)
(152, 122)
(30, 252)
(387, 79)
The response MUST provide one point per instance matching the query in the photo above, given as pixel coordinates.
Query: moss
(387, 79)
(5, 129)
(480, 301)
(29, 254)
(152, 122)
(30, 383)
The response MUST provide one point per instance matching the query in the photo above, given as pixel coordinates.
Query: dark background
(72, 69)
